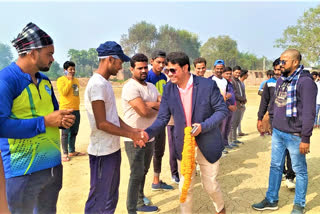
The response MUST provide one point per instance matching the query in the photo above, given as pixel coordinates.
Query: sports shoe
(197, 167)
(175, 179)
(290, 184)
(225, 151)
(146, 201)
(161, 186)
(265, 205)
(238, 142)
(234, 145)
(229, 147)
(242, 134)
(297, 209)
(147, 209)
(223, 211)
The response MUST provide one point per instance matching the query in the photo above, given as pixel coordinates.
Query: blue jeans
(280, 142)
(316, 120)
(35, 193)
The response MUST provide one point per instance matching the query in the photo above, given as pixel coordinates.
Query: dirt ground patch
(243, 173)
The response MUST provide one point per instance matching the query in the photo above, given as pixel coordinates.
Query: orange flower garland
(188, 162)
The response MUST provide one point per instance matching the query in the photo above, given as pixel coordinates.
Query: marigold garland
(188, 162)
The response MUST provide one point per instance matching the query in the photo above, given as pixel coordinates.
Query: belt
(296, 134)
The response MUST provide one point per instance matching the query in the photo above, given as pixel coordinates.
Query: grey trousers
(243, 109)
(139, 160)
(236, 118)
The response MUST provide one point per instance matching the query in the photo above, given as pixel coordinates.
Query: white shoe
(290, 184)
(198, 167)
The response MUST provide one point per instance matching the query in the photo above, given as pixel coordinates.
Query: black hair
(315, 73)
(158, 53)
(179, 58)
(243, 72)
(199, 60)
(68, 64)
(227, 69)
(139, 57)
(237, 67)
(276, 62)
(270, 73)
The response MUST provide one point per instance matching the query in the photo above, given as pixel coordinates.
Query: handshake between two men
(139, 137)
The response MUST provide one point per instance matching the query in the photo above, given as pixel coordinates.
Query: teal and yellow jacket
(26, 145)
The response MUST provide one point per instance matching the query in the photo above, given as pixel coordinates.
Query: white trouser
(209, 172)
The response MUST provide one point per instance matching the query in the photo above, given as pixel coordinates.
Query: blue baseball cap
(219, 62)
(111, 48)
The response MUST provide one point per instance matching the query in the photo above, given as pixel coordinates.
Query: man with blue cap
(222, 83)
(106, 129)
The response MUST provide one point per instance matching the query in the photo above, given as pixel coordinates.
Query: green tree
(248, 61)
(93, 59)
(170, 39)
(5, 55)
(86, 61)
(222, 47)
(144, 38)
(55, 71)
(304, 36)
(189, 43)
(141, 38)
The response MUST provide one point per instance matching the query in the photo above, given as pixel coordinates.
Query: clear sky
(83, 25)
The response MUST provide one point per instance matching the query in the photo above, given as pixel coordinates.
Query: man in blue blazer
(193, 101)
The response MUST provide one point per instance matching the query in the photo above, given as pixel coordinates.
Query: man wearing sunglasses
(294, 112)
(267, 104)
(193, 101)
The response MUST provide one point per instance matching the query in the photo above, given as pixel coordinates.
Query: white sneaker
(290, 184)
(197, 167)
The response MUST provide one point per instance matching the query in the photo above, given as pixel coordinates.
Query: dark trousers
(68, 136)
(172, 153)
(35, 193)
(287, 167)
(104, 183)
(139, 160)
(158, 152)
(225, 128)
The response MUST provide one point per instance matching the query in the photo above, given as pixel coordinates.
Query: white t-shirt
(101, 143)
(221, 83)
(130, 91)
(318, 95)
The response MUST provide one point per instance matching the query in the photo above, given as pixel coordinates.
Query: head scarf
(31, 37)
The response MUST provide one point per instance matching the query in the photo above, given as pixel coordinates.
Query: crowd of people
(156, 103)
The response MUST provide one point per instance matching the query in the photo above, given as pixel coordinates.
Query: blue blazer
(208, 109)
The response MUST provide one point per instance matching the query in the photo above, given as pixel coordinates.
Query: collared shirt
(186, 99)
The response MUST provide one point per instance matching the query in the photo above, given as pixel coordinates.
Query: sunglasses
(172, 70)
(283, 62)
